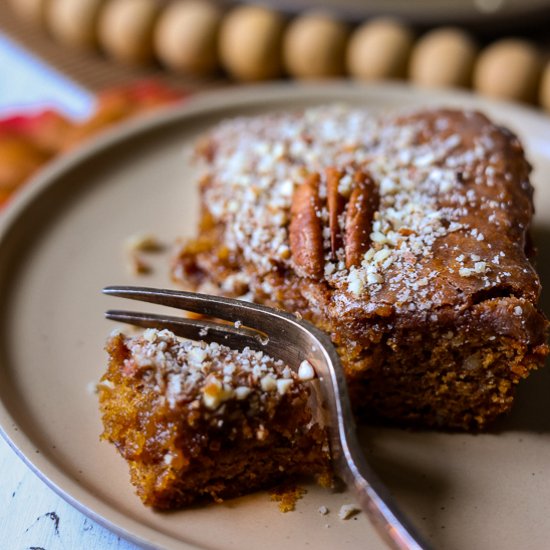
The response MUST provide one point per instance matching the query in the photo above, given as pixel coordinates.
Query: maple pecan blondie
(404, 236)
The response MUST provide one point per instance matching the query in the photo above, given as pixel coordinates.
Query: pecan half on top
(306, 229)
(348, 207)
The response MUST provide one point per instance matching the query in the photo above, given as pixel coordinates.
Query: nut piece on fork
(283, 336)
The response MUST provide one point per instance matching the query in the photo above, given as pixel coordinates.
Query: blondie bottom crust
(200, 421)
(406, 237)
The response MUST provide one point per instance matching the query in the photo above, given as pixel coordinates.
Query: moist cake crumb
(287, 496)
(199, 420)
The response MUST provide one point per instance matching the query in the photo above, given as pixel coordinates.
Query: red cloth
(27, 141)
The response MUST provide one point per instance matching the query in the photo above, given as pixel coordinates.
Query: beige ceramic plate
(62, 240)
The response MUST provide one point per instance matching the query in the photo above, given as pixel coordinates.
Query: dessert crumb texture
(198, 420)
(137, 246)
(143, 242)
(287, 496)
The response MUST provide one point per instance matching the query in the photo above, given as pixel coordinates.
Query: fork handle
(376, 501)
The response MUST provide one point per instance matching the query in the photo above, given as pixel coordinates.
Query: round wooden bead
(74, 23)
(33, 11)
(314, 46)
(379, 49)
(186, 37)
(126, 30)
(250, 43)
(509, 69)
(443, 58)
(544, 92)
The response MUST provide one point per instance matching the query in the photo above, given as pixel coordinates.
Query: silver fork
(284, 336)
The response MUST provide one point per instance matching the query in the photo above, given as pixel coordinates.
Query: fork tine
(287, 335)
(194, 329)
(214, 306)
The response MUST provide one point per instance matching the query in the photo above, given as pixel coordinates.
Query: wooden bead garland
(186, 37)
(314, 46)
(443, 58)
(509, 69)
(125, 30)
(249, 42)
(74, 23)
(380, 49)
(33, 11)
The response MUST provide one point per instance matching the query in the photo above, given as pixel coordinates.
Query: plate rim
(207, 103)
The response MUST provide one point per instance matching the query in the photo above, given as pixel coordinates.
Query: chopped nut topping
(306, 371)
(262, 433)
(105, 384)
(284, 384)
(293, 178)
(480, 267)
(242, 392)
(347, 511)
(215, 393)
(207, 374)
(268, 383)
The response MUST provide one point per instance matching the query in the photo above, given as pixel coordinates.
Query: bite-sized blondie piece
(202, 421)
(404, 236)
